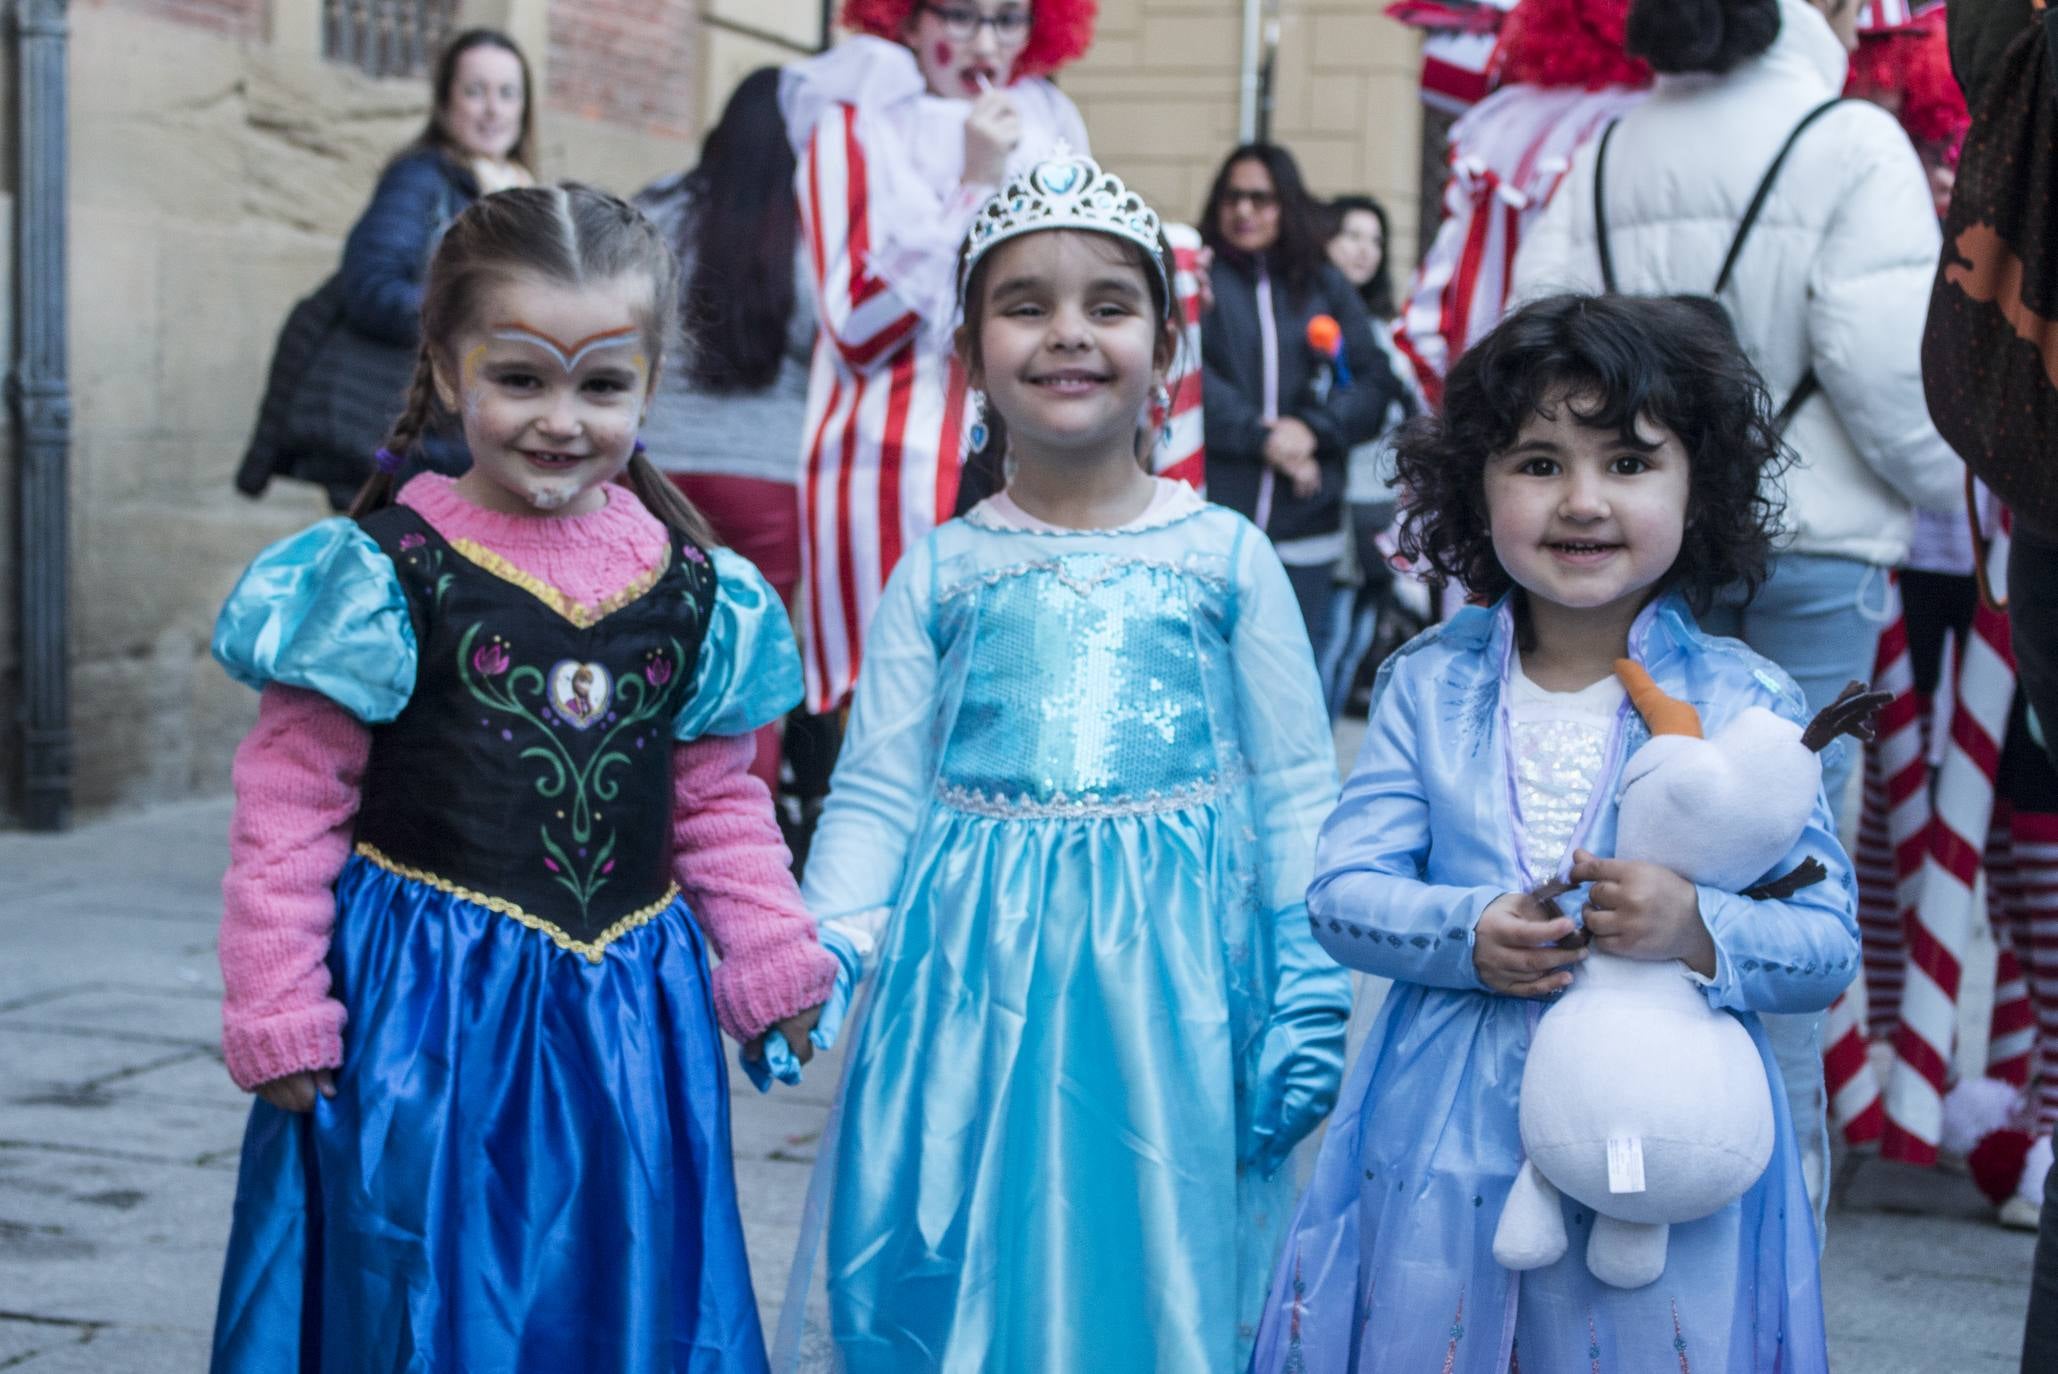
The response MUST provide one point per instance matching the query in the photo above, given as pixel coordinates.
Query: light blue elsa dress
(1071, 829)
(1389, 1265)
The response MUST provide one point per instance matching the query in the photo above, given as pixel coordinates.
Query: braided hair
(569, 233)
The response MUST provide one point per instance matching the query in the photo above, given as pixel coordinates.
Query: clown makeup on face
(966, 47)
(552, 383)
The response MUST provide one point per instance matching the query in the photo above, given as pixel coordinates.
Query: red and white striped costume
(1507, 156)
(883, 212)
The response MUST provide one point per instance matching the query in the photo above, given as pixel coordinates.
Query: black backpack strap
(1764, 191)
(1804, 391)
(1601, 209)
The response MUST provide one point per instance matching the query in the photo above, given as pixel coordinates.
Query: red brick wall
(236, 18)
(630, 62)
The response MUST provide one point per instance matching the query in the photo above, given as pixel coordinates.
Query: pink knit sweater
(297, 778)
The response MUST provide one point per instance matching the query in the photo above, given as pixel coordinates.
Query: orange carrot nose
(1665, 715)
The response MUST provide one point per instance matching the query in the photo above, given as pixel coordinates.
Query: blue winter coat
(386, 257)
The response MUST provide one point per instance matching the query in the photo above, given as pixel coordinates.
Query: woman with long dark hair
(479, 138)
(1283, 409)
(1357, 248)
(726, 422)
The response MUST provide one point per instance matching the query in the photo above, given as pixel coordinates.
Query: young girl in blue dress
(1070, 833)
(494, 813)
(1599, 471)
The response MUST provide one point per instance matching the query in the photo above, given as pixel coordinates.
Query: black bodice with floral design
(531, 768)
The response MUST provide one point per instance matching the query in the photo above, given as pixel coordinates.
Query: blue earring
(980, 433)
(639, 448)
(1162, 400)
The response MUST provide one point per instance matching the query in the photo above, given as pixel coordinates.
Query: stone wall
(217, 161)
(1160, 96)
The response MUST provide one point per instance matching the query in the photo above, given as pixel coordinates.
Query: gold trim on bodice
(591, 949)
(579, 613)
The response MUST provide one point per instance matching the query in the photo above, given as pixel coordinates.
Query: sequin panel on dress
(1086, 681)
(1556, 765)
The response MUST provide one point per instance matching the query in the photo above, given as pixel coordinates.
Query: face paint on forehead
(568, 355)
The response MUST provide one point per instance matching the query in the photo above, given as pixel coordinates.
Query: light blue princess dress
(1071, 830)
(1389, 1265)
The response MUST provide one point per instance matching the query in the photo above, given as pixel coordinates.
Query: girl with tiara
(1600, 470)
(1069, 835)
(495, 811)
(901, 129)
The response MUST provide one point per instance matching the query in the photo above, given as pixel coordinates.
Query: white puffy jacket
(1836, 272)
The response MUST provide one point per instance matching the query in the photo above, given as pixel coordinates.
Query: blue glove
(779, 1062)
(1300, 1057)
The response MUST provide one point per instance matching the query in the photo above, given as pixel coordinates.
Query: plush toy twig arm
(1808, 874)
(1852, 713)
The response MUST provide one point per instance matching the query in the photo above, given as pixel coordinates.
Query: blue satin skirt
(525, 1167)
(1038, 1170)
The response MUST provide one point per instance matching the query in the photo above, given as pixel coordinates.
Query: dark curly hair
(1673, 359)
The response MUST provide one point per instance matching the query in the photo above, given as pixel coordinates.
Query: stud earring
(639, 448)
(979, 432)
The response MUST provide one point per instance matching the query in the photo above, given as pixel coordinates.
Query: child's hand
(795, 1028)
(1643, 911)
(1514, 947)
(992, 130)
(295, 1092)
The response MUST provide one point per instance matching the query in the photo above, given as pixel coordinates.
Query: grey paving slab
(159, 1011)
(128, 1350)
(20, 1340)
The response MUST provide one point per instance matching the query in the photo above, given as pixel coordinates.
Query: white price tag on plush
(1625, 1164)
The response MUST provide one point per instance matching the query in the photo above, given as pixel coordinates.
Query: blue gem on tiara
(1058, 178)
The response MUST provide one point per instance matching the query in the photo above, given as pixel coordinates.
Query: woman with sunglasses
(1283, 408)
(901, 131)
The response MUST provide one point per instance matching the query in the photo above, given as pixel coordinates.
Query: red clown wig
(1568, 43)
(1060, 30)
(1909, 71)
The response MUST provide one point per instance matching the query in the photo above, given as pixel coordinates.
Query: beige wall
(212, 181)
(1159, 92)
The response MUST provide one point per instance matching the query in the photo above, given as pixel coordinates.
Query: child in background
(1600, 471)
(495, 810)
(1070, 831)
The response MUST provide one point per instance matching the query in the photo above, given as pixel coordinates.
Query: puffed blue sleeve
(1284, 731)
(1369, 905)
(879, 791)
(1794, 954)
(322, 610)
(749, 670)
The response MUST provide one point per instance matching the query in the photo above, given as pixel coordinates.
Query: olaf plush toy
(1639, 1099)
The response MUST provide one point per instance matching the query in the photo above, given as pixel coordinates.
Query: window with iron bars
(386, 37)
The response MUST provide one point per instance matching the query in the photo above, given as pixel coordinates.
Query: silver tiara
(1066, 191)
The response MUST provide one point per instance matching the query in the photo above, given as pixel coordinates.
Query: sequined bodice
(1086, 688)
(1560, 742)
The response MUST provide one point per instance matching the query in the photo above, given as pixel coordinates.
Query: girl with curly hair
(901, 130)
(1600, 472)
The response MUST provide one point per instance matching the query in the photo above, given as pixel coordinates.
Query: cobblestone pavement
(119, 1133)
